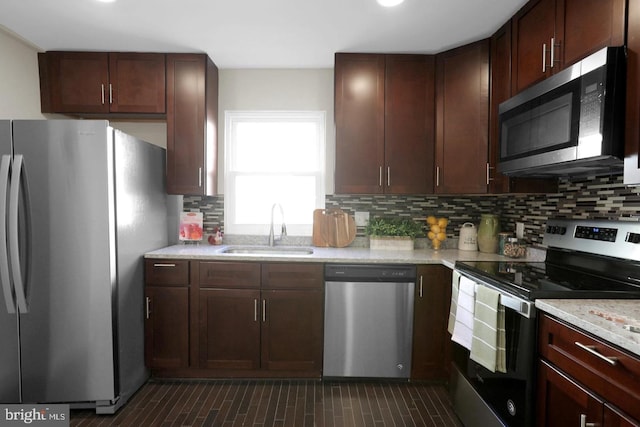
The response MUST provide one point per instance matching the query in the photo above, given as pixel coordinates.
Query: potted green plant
(393, 233)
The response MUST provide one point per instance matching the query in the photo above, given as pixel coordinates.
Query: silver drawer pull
(164, 265)
(584, 423)
(592, 349)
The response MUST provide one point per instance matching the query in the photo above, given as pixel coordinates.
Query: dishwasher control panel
(370, 272)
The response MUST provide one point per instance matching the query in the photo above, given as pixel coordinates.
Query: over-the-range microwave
(570, 124)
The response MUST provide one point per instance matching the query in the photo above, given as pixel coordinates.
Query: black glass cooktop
(544, 280)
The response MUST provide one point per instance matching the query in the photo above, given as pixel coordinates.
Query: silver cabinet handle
(110, 93)
(584, 423)
(380, 177)
(489, 179)
(437, 176)
(147, 308)
(544, 57)
(255, 310)
(102, 85)
(163, 265)
(388, 176)
(264, 310)
(592, 349)
(199, 177)
(551, 61)
(420, 288)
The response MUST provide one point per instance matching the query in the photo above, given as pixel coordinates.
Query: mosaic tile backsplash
(590, 198)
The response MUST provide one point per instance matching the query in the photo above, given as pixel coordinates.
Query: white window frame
(305, 229)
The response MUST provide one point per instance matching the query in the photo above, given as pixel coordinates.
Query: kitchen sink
(269, 250)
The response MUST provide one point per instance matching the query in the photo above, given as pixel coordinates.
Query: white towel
(463, 328)
(455, 280)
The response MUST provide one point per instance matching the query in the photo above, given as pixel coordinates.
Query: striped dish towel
(463, 327)
(488, 342)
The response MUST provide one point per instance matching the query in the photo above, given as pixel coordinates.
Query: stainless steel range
(585, 259)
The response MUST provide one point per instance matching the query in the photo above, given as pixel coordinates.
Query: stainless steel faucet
(283, 230)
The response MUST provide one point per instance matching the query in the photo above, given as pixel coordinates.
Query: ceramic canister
(488, 233)
(468, 240)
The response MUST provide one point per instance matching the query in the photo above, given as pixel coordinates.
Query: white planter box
(391, 243)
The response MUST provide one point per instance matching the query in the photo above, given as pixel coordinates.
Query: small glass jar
(514, 249)
(502, 239)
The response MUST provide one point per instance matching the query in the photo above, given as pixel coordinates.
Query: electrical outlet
(519, 230)
(362, 218)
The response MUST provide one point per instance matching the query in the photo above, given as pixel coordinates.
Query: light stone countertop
(447, 257)
(602, 318)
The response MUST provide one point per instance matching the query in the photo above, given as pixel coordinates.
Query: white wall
(277, 89)
(19, 81)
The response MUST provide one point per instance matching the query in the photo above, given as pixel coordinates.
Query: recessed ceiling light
(389, 3)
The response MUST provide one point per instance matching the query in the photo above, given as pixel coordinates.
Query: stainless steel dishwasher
(368, 322)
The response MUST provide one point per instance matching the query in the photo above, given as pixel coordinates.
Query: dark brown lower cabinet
(431, 342)
(292, 326)
(229, 329)
(167, 327)
(260, 319)
(562, 402)
(583, 380)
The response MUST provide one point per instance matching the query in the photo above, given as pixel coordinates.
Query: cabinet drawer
(292, 276)
(229, 275)
(607, 371)
(166, 272)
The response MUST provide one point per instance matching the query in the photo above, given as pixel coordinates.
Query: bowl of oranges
(437, 230)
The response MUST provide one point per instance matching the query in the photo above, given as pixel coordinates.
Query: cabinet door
(192, 110)
(167, 327)
(292, 328)
(562, 402)
(585, 26)
(74, 82)
(137, 82)
(229, 329)
(533, 29)
(408, 126)
(462, 119)
(615, 418)
(431, 343)
(359, 117)
(500, 92)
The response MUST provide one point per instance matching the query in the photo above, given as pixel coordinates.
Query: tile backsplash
(590, 198)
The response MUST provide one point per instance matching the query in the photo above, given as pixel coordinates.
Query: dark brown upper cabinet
(549, 35)
(462, 119)
(192, 117)
(384, 113)
(101, 83)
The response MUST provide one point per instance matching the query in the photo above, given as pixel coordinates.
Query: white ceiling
(256, 33)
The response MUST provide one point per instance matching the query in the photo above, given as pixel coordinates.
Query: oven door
(508, 397)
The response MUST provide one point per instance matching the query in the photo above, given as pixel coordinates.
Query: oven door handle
(521, 307)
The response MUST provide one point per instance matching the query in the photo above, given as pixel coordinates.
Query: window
(273, 157)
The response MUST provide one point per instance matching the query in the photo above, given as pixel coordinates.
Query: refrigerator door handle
(5, 163)
(14, 246)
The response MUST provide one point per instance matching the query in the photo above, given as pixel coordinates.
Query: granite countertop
(447, 257)
(602, 318)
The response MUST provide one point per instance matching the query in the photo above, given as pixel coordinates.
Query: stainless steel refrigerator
(80, 203)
